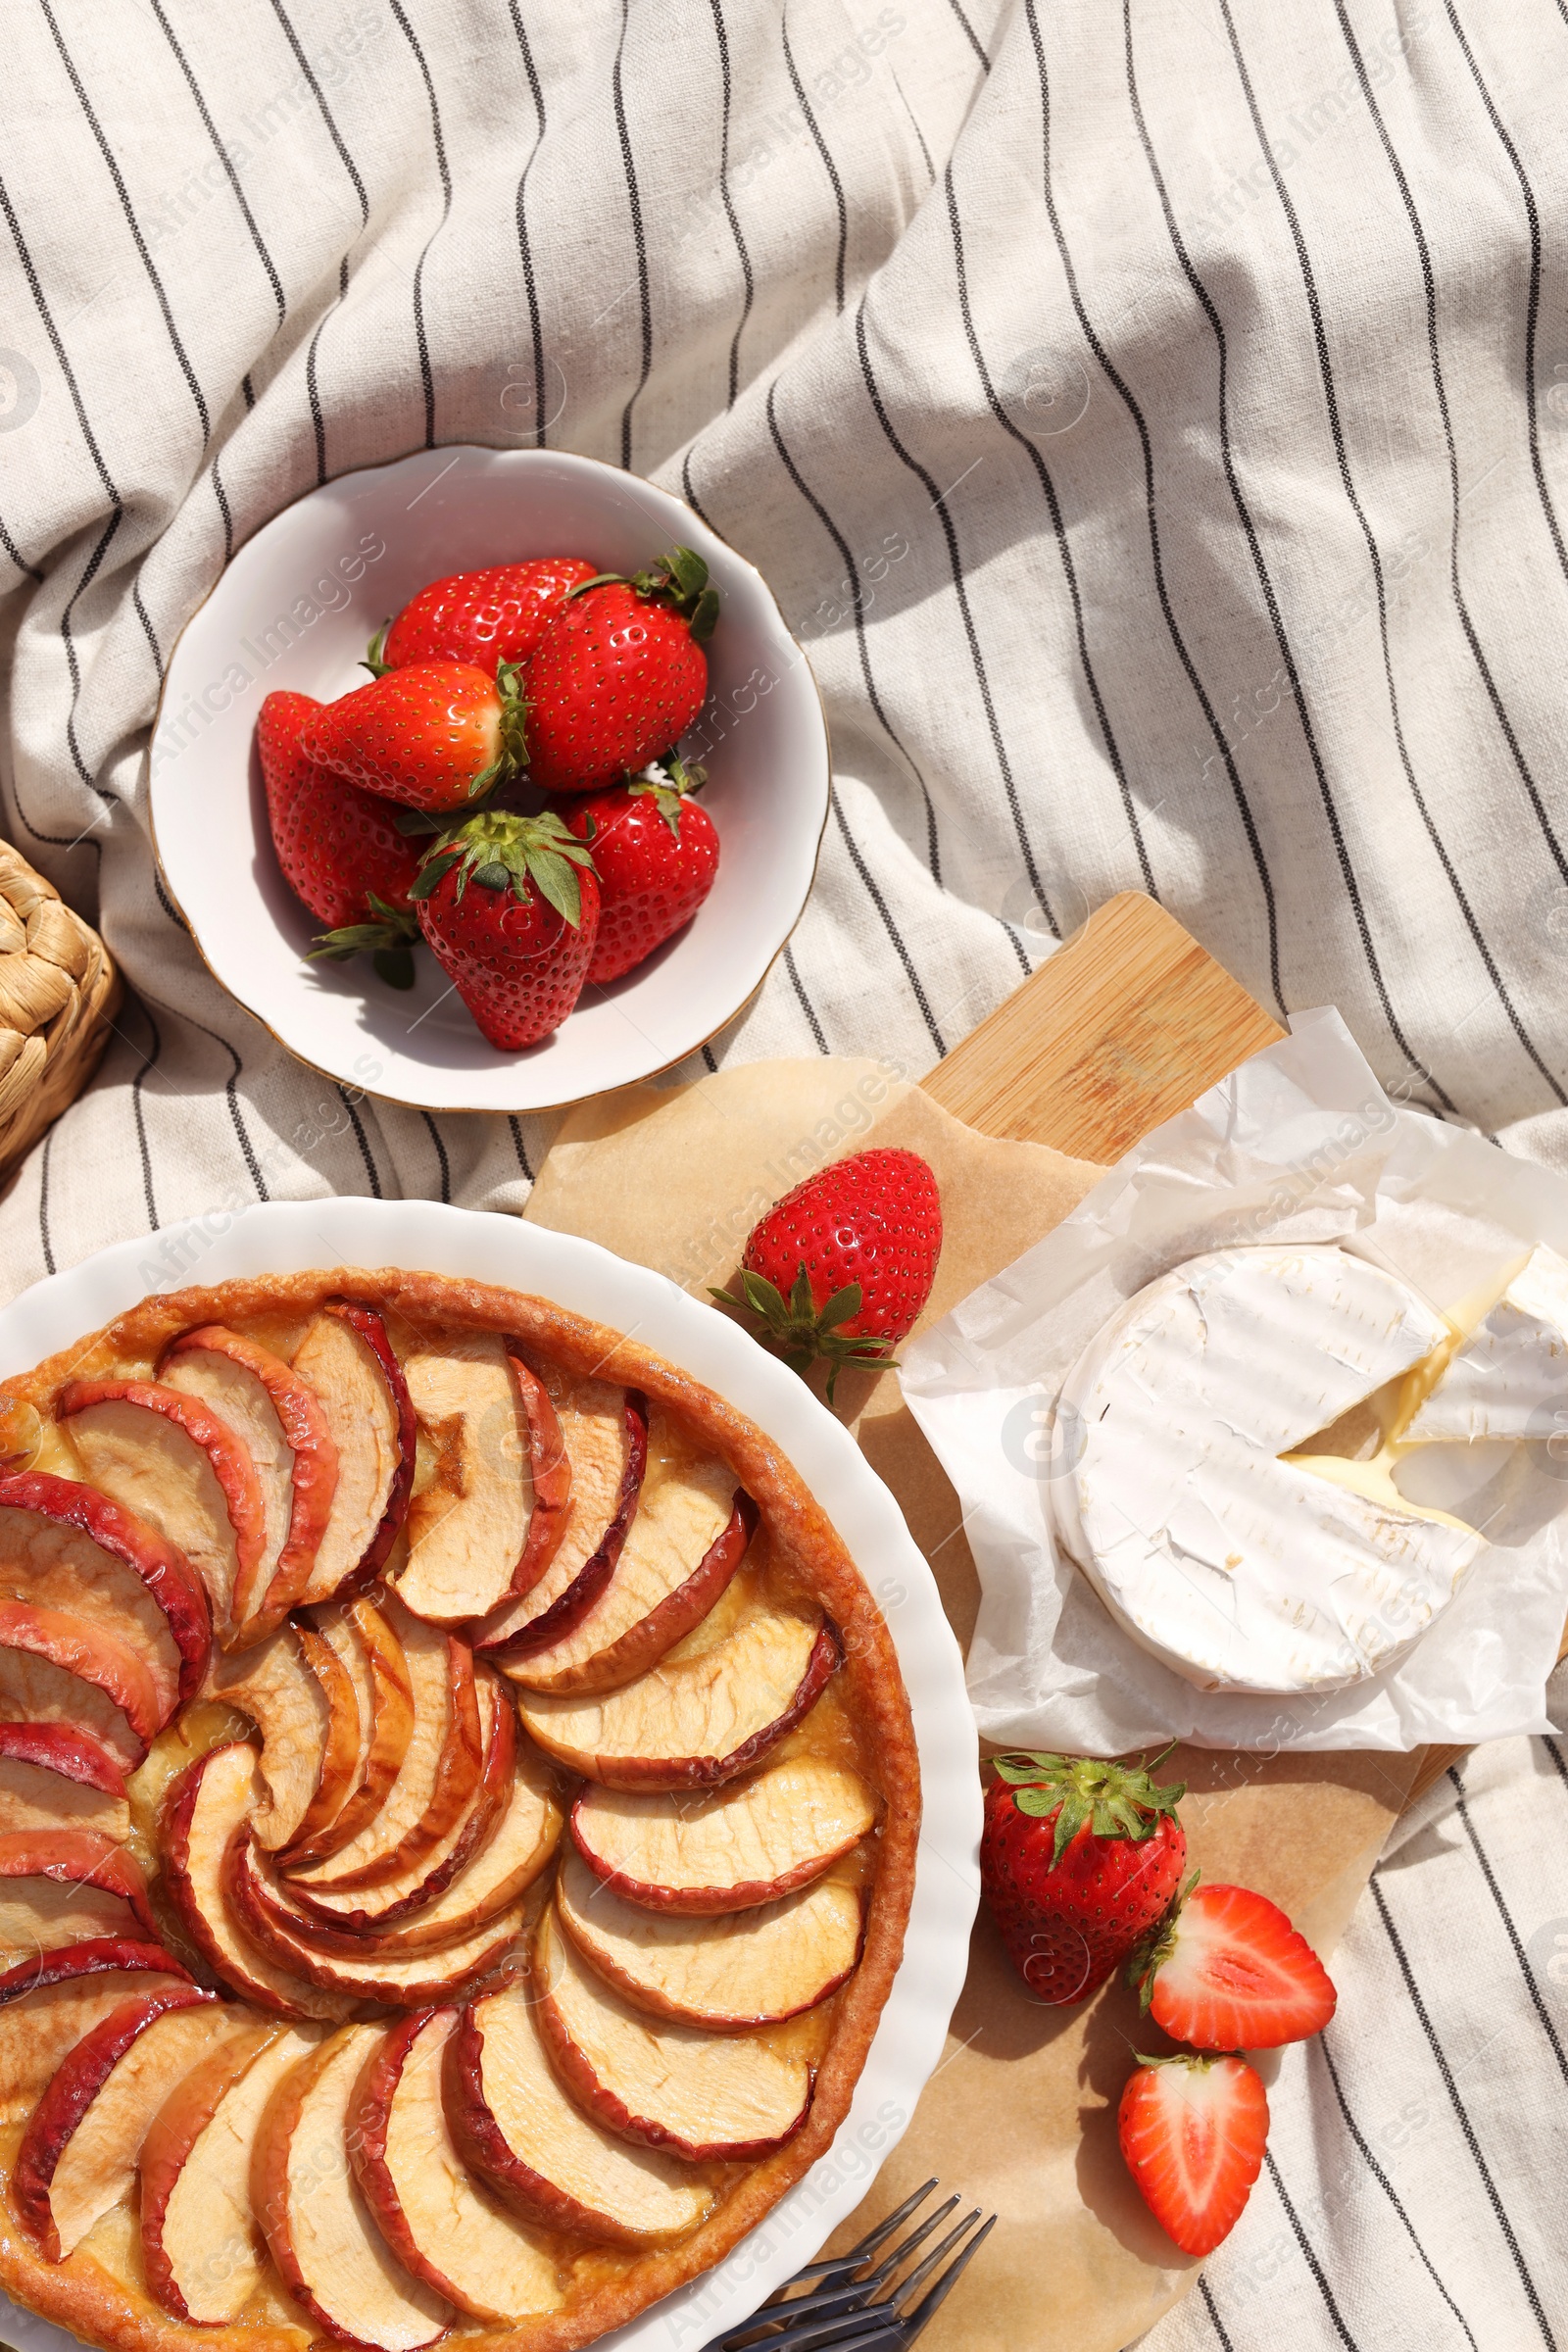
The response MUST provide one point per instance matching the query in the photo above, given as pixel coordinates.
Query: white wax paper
(1299, 1145)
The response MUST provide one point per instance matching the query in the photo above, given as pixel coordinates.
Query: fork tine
(837, 2312)
(930, 2302)
(917, 2237)
(824, 2330)
(919, 2277)
(867, 2246)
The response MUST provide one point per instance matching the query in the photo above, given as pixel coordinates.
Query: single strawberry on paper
(620, 673)
(339, 848)
(434, 736)
(1079, 1860)
(841, 1266)
(481, 617)
(655, 854)
(509, 905)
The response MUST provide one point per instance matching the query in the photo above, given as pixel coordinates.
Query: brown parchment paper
(1020, 2115)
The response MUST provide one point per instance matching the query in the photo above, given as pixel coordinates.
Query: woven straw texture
(59, 993)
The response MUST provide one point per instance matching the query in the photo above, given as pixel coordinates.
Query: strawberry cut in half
(434, 736)
(1226, 1971)
(842, 1265)
(339, 848)
(481, 617)
(509, 907)
(655, 854)
(620, 673)
(1079, 1860)
(1193, 2131)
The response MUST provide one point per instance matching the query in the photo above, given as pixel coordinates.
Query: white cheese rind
(1237, 1569)
(1509, 1378)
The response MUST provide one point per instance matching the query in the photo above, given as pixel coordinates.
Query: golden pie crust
(110, 2305)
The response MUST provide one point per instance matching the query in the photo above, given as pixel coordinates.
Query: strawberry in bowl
(339, 848)
(466, 562)
(655, 852)
(441, 731)
(479, 617)
(620, 673)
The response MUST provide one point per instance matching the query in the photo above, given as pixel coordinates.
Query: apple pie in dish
(457, 1818)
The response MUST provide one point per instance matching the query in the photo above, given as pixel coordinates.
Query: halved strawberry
(1225, 1970)
(1193, 2131)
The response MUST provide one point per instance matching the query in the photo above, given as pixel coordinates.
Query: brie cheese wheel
(1509, 1377)
(1240, 1570)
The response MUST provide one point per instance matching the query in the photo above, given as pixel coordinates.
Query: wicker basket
(59, 993)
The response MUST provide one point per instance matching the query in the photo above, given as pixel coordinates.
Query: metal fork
(858, 2301)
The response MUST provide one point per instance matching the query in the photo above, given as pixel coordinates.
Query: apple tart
(457, 1813)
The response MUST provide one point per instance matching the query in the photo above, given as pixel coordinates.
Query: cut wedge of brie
(1509, 1377)
(1238, 1568)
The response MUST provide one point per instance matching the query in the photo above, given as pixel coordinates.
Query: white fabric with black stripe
(1411, 2197)
(1149, 411)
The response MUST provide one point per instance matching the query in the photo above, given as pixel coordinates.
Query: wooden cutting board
(1127, 1025)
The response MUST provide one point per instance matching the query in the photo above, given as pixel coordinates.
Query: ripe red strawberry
(480, 617)
(1078, 1860)
(1193, 2131)
(620, 673)
(843, 1264)
(655, 854)
(339, 848)
(1227, 1971)
(433, 736)
(509, 905)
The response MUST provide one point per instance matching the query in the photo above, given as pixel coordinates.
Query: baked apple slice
(79, 2153)
(276, 1416)
(38, 2029)
(199, 2242)
(372, 1655)
(440, 1768)
(348, 1360)
(731, 1974)
(688, 1539)
(64, 1545)
(489, 1522)
(202, 1809)
(369, 1910)
(69, 1887)
(168, 1457)
(513, 2124)
(440, 2223)
(328, 2251)
(397, 1979)
(63, 1963)
(54, 1779)
(59, 1669)
(701, 2096)
(340, 1760)
(691, 1723)
(300, 1699)
(750, 1842)
(506, 1866)
(604, 1431)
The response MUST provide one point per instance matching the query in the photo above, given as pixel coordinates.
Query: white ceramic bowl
(289, 1236)
(296, 609)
